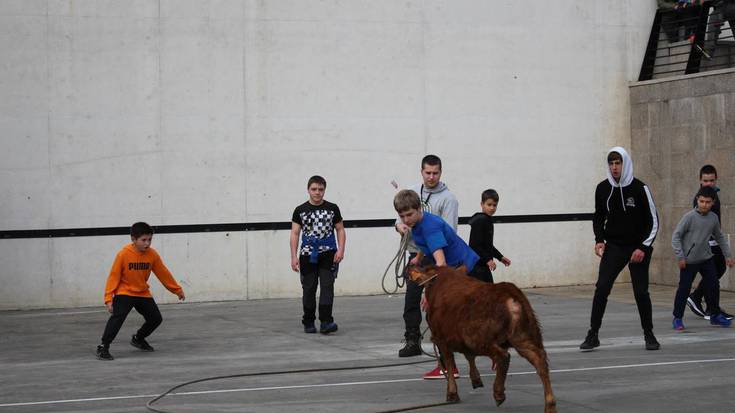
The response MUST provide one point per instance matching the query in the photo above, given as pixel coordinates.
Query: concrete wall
(191, 112)
(678, 125)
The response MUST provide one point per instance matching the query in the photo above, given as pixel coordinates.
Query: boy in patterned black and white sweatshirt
(316, 222)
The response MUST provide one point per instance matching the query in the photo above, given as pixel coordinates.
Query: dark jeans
(709, 279)
(615, 258)
(674, 21)
(670, 25)
(481, 272)
(412, 301)
(121, 307)
(312, 275)
(720, 268)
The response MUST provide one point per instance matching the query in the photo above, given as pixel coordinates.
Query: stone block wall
(677, 125)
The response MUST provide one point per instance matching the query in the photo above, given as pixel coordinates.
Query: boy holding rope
(438, 242)
(434, 197)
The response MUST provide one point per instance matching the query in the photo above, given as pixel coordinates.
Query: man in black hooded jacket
(625, 225)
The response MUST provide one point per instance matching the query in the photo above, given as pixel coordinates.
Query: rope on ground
(422, 406)
(150, 403)
(400, 261)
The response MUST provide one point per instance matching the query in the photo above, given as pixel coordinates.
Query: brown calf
(481, 319)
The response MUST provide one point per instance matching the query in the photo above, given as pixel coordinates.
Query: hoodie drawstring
(622, 200)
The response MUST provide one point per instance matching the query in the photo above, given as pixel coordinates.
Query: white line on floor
(355, 383)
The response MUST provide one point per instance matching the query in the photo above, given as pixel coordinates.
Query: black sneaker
(412, 348)
(696, 307)
(140, 343)
(651, 342)
(309, 328)
(726, 315)
(326, 328)
(103, 353)
(590, 342)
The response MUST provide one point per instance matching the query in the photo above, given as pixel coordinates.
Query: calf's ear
(416, 273)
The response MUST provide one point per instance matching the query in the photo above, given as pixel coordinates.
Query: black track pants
(615, 258)
(121, 307)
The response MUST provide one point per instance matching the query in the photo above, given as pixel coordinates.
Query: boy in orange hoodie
(127, 288)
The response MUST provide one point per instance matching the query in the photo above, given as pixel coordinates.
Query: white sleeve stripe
(654, 217)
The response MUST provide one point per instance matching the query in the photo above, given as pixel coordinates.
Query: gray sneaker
(326, 328)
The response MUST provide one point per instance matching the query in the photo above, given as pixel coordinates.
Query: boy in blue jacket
(436, 240)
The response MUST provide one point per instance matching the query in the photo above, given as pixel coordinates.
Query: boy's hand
(402, 228)
(729, 262)
(295, 264)
(338, 256)
(109, 307)
(637, 256)
(414, 260)
(491, 265)
(599, 249)
(682, 263)
(505, 261)
(181, 295)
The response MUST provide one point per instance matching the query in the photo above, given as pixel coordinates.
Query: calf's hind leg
(447, 360)
(537, 357)
(501, 359)
(474, 373)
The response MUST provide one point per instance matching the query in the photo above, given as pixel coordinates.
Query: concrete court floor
(48, 364)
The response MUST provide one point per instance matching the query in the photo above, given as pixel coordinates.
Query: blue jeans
(710, 281)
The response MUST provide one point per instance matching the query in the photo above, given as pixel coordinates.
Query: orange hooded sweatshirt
(130, 271)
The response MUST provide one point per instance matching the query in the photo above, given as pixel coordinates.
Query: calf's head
(422, 275)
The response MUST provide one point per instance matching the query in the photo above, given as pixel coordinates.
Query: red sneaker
(438, 373)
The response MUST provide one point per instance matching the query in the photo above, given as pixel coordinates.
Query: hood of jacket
(440, 187)
(626, 177)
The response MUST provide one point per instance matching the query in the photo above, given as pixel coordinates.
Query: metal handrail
(699, 26)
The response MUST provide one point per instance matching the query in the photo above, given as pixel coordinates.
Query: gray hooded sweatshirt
(691, 237)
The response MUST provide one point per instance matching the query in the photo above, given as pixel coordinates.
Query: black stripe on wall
(263, 226)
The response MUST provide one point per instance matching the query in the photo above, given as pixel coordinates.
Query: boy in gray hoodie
(691, 247)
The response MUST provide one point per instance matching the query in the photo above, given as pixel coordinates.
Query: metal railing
(690, 40)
